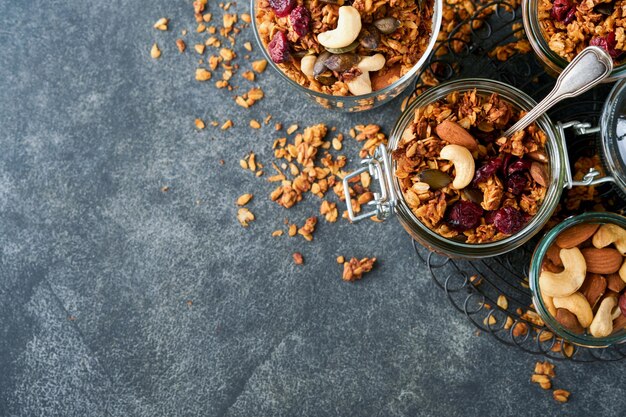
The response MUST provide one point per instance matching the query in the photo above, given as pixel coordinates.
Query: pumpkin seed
(319, 66)
(435, 178)
(369, 37)
(326, 78)
(474, 195)
(387, 25)
(345, 49)
(605, 8)
(341, 62)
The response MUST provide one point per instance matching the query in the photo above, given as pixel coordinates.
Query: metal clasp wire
(590, 177)
(379, 167)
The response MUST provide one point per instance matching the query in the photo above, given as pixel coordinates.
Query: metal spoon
(590, 67)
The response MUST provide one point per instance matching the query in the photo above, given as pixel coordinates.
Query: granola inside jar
(560, 29)
(338, 48)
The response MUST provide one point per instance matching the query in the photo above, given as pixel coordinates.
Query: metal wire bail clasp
(590, 177)
(379, 167)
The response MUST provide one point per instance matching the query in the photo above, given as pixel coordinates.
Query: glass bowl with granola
(350, 55)
(559, 29)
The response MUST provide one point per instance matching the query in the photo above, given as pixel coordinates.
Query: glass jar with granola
(559, 29)
(456, 185)
(348, 55)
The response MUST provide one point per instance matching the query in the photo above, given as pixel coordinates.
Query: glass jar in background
(586, 340)
(552, 62)
(366, 101)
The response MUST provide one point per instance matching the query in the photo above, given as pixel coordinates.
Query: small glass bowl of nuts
(351, 56)
(578, 279)
(559, 29)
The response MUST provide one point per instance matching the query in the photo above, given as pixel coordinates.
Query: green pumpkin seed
(345, 49)
(435, 178)
(387, 25)
(319, 66)
(326, 78)
(474, 195)
(341, 62)
(369, 37)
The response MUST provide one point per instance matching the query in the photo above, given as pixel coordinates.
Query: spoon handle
(590, 67)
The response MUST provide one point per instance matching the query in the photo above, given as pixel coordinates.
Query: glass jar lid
(613, 129)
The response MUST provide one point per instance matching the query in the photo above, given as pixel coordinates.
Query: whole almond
(602, 261)
(576, 235)
(568, 320)
(455, 134)
(615, 283)
(593, 288)
(553, 255)
(539, 172)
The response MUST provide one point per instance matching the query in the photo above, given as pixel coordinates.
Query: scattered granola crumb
(245, 216)
(221, 162)
(278, 126)
(248, 46)
(542, 380)
(292, 129)
(297, 258)
(255, 124)
(227, 125)
(293, 229)
(309, 227)
(244, 199)
(165, 188)
(202, 74)
(181, 45)
(277, 233)
(545, 368)
(354, 269)
(329, 211)
(340, 259)
(243, 164)
(246, 17)
(248, 75)
(199, 48)
(259, 66)
(561, 395)
(161, 24)
(199, 124)
(155, 52)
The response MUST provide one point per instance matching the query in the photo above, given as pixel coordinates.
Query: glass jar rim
(543, 51)
(519, 99)
(436, 26)
(535, 271)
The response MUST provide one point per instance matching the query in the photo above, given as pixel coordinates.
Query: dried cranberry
(489, 216)
(563, 11)
(516, 183)
(506, 161)
(622, 303)
(520, 165)
(282, 7)
(488, 169)
(607, 43)
(279, 47)
(300, 18)
(509, 220)
(464, 215)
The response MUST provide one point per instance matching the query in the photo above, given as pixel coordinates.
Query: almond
(568, 320)
(619, 323)
(453, 133)
(576, 235)
(615, 283)
(539, 172)
(602, 261)
(593, 288)
(553, 255)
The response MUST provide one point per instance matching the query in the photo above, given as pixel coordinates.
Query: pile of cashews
(572, 298)
(346, 32)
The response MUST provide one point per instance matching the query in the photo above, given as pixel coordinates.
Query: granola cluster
(508, 177)
(569, 26)
(397, 30)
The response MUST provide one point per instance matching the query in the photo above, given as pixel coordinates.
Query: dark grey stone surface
(90, 129)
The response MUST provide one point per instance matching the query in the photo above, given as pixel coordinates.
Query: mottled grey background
(97, 264)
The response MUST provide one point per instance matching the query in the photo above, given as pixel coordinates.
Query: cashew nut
(610, 233)
(578, 305)
(306, 65)
(562, 284)
(622, 271)
(549, 302)
(602, 324)
(362, 84)
(348, 28)
(463, 162)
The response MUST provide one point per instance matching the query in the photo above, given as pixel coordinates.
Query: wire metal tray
(473, 287)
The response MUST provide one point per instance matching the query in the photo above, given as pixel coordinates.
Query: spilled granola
(461, 178)
(334, 48)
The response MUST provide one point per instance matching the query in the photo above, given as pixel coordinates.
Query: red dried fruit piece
(509, 220)
(563, 11)
(279, 48)
(300, 18)
(488, 169)
(519, 165)
(464, 215)
(489, 216)
(516, 183)
(282, 7)
(607, 43)
(506, 161)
